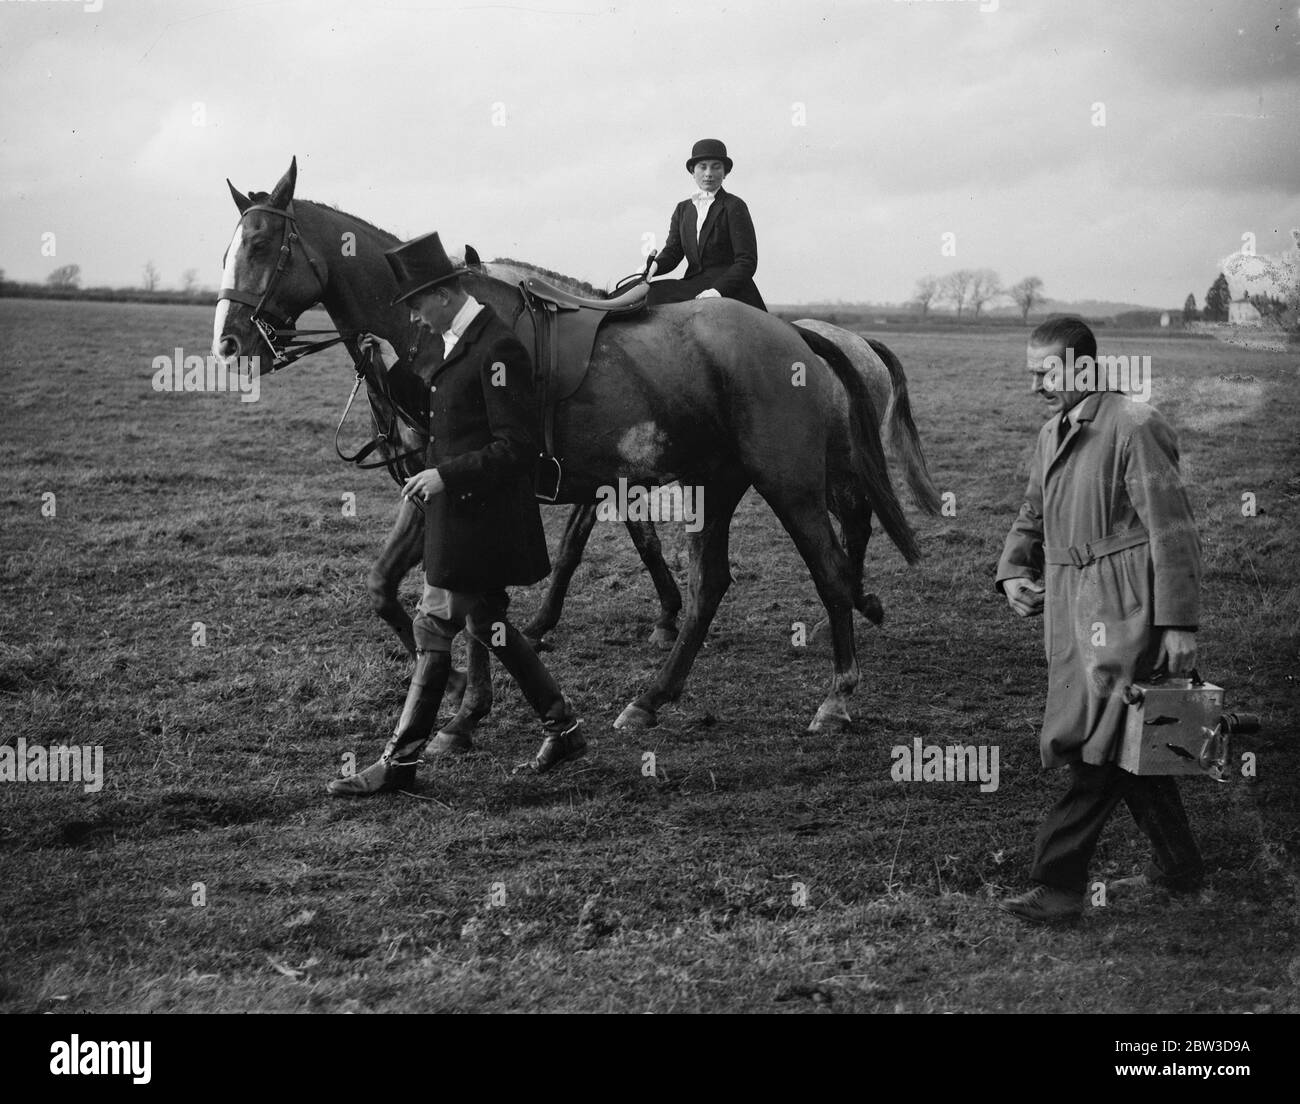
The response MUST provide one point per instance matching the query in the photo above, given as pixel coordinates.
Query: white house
(1275, 275)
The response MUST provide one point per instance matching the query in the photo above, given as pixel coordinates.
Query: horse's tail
(903, 436)
(868, 452)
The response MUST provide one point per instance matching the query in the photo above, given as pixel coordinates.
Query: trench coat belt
(1094, 550)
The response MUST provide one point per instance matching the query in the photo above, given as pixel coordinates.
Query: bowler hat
(420, 264)
(708, 149)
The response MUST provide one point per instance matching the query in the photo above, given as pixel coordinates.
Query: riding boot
(395, 767)
(561, 739)
(455, 734)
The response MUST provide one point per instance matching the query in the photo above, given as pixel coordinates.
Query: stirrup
(540, 486)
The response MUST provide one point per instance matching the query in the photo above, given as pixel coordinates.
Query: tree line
(1218, 299)
(974, 289)
(65, 283)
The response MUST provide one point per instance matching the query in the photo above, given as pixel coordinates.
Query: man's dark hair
(1068, 331)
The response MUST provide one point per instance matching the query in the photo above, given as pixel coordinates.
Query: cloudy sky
(555, 131)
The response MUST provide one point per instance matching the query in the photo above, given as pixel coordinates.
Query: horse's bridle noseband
(284, 340)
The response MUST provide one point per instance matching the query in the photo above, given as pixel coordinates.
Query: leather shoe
(395, 768)
(382, 776)
(1045, 905)
(558, 747)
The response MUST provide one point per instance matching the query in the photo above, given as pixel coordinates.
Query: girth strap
(1081, 556)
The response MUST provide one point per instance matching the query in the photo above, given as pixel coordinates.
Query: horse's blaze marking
(643, 444)
(227, 281)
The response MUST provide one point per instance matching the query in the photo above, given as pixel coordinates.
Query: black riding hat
(420, 264)
(708, 149)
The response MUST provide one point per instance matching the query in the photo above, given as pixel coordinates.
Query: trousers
(442, 614)
(1069, 834)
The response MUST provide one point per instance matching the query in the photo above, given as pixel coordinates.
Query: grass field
(598, 888)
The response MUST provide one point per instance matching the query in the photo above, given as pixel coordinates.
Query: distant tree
(150, 279)
(190, 281)
(984, 288)
(2, 275)
(1269, 306)
(64, 277)
(1190, 313)
(1217, 300)
(927, 290)
(954, 288)
(1028, 294)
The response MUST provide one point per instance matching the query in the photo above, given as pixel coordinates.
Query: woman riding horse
(712, 230)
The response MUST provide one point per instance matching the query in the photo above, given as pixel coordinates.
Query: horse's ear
(282, 193)
(472, 258)
(241, 201)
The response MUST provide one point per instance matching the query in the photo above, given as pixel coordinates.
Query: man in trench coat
(483, 531)
(1107, 527)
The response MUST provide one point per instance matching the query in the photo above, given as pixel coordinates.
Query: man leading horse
(483, 530)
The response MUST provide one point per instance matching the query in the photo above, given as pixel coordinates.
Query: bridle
(286, 342)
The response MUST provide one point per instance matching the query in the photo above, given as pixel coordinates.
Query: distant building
(1274, 276)
(1242, 312)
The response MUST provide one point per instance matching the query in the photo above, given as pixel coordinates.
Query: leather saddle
(563, 333)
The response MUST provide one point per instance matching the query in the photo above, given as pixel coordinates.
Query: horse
(713, 394)
(359, 300)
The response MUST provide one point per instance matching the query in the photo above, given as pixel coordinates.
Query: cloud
(861, 132)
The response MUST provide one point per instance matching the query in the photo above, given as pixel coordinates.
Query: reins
(388, 429)
(289, 344)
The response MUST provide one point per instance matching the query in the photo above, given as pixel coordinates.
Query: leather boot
(562, 739)
(454, 734)
(562, 743)
(395, 767)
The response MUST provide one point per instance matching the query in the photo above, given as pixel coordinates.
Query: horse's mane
(348, 214)
(512, 271)
(506, 269)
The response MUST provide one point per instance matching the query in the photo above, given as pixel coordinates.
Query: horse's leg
(710, 575)
(476, 702)
(857, 533)
(809, 526)
(402, 551)
(854, 514)
(567, 557)
(647, 544)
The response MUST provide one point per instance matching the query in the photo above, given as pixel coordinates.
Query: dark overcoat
(1116, 472)
(484, 532)
(723, 256)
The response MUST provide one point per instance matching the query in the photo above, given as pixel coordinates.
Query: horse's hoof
(870, 608)
(829, 720)
(636, 717)
(464, 722)
(455, 692)
(663, 638)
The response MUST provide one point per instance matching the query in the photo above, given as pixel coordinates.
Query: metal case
(1171, 713)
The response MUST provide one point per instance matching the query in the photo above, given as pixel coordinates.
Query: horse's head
(270, 276)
